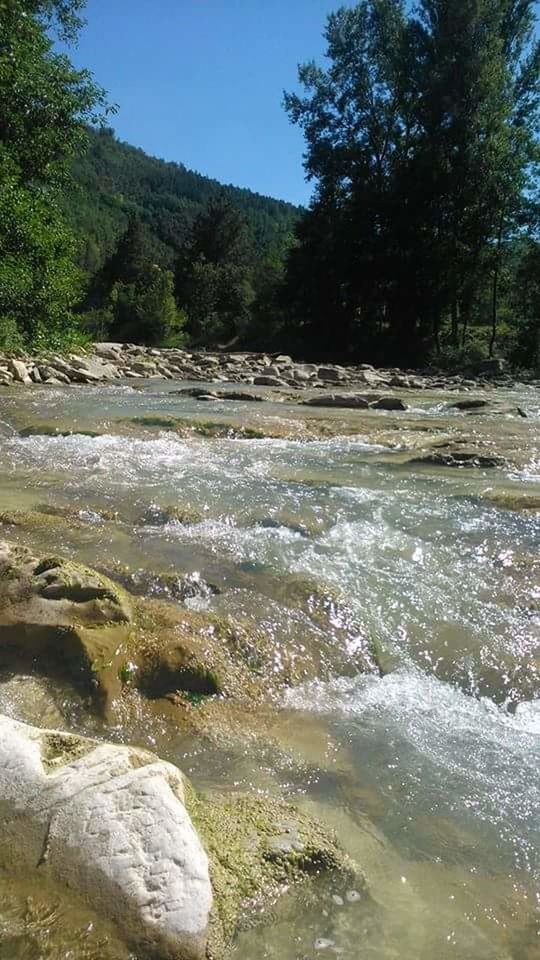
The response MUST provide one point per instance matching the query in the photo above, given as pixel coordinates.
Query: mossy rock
(53, 430)
(209, 429)
(514, 501)
(62, 618)
(156, 515)
(36, 520)
(260, 849)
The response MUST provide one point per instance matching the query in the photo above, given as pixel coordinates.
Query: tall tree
(45, 105)
(214, 274)
(420, 137)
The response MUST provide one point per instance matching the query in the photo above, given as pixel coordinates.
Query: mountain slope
(114, 181)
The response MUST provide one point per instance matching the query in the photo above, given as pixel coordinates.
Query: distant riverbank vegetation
(420, 243)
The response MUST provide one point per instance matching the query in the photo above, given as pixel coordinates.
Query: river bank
(104, 362)
(331, 606)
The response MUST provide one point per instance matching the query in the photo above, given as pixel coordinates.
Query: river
(429, 773)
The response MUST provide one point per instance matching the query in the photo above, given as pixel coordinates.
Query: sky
(200, 82)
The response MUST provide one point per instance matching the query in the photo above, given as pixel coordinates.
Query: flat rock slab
(109, 822)
(346, 400)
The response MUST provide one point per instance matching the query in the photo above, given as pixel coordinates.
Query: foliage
(421, 140)
(114, 183)
(44, 107)
(214, 273)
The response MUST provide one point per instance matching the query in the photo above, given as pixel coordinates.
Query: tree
(213, 275)
(44, 107)
(144, 309)
(421, 138)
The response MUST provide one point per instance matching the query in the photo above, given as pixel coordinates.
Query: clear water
(430, 774)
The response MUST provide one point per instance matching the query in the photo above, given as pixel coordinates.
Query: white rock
(19, 371)
(110, 823)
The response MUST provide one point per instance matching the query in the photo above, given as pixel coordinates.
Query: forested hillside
(114, 182)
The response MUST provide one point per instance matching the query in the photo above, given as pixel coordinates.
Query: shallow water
(430, 774)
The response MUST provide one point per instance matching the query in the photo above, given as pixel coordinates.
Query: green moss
(33, 520)
(52, 430)
(514, 501)
(258, 848)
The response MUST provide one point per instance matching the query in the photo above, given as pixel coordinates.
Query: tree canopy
(421, 139)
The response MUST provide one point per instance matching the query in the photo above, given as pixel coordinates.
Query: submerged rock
(64, 620)
(459, 458)
(346, 400)
(61, 617)
(110, 823)
(514, 500)
(260, 849)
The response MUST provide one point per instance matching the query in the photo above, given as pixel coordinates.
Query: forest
(420, 244)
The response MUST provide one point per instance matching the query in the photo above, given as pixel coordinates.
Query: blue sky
(201, 82)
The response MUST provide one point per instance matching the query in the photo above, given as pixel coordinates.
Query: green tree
(144, 309)
(45, 105)
(421, 140)
(214, 275)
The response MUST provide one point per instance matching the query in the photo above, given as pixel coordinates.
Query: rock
(156, 515)
(90, 370)
(261, 849)
(389, 403)
(241, 395)
(474, 403)
(370, 378)
(62, 617)
(51, 374)
(347, 400)
(265, 381)
(332, 374)
(460, 458)
(110, 351)
(515, 500)
(110, 823)
(19, 371)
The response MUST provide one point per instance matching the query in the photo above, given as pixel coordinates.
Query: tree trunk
(495, 287)
(455, 320)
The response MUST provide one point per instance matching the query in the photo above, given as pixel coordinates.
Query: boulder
(62, 617)
(19, 371)
(90, 370)
(110, 823)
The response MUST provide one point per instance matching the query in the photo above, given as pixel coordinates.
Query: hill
(114, 181)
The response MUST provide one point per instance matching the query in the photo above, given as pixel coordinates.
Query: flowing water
(430, 773)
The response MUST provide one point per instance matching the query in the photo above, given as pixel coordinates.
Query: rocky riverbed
(105, 362)
(269, 659)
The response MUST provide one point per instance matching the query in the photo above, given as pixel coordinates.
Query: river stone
(19, 371)
(332, 374)
(62, 617)
(471, 403)
(109, 822)
(389, 403)
(346, 400)
(267, 381)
